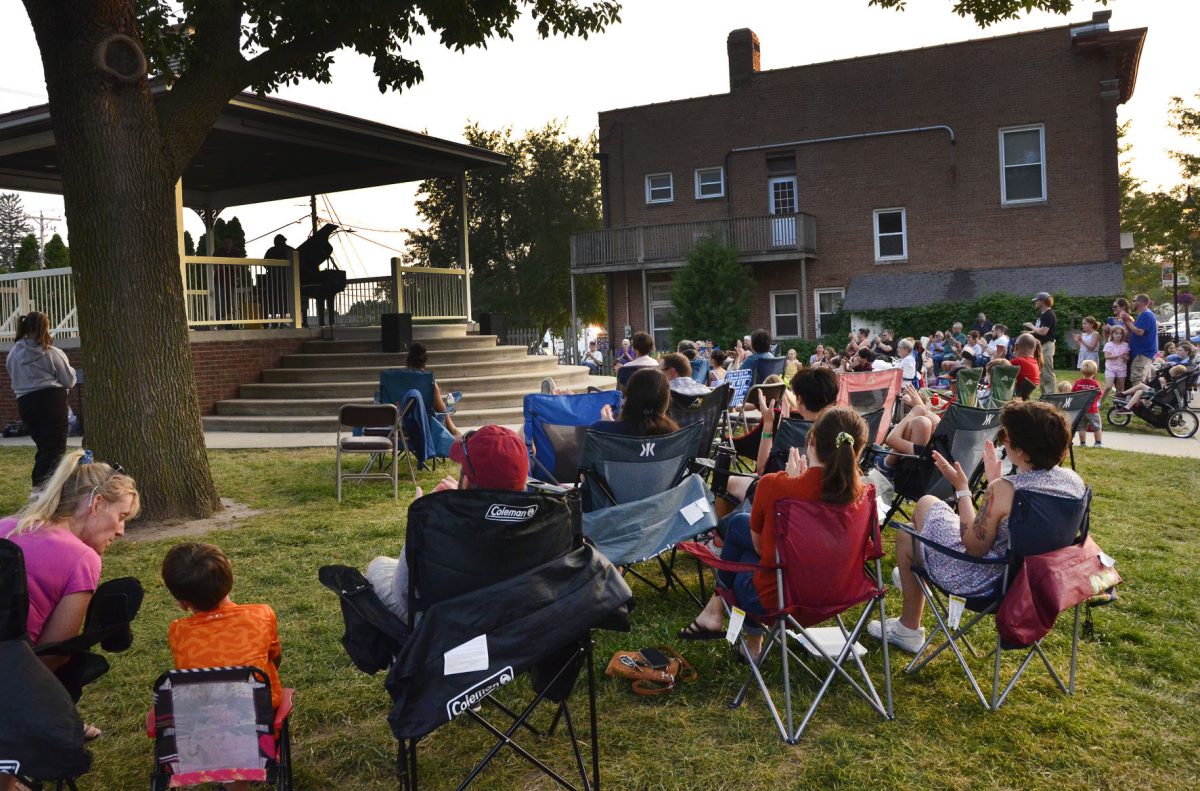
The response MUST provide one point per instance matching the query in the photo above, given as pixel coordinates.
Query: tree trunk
(119, 193)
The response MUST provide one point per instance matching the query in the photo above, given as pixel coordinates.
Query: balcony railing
(428, 293)
(634, 246)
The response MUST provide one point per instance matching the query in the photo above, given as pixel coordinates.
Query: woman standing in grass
(41, 377)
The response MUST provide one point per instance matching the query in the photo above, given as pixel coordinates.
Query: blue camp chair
(423, 430)
(554, 430)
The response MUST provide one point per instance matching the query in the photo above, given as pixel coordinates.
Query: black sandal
(694, 631)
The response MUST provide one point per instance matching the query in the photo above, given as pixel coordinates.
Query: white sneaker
(896, 584)
(899, 635)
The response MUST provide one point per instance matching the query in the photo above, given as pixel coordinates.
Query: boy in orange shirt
(1088, 381)
(218, 633)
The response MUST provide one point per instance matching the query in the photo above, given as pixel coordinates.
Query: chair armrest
(954, 553)
(710, 559)
(285, 707)
(151, 730)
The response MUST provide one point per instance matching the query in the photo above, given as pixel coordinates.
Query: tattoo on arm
(981, 519)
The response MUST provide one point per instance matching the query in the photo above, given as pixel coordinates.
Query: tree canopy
(56, 253)
(27, 255)
(520, 222)
(989, 12)
(13, 228)
(711, 294)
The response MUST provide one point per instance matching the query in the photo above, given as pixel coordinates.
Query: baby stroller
(1165, 405)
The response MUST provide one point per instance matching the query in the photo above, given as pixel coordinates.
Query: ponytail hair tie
(649, 412)
(86, 458)
(843, 438)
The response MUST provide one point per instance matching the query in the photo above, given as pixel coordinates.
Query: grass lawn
(1132, 724)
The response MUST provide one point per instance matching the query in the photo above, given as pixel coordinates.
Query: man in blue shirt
(1143, 339)
(760, 345)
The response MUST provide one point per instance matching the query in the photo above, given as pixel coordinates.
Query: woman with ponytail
(81, 509)
(41, 377)
(647, 397)
(828, 473)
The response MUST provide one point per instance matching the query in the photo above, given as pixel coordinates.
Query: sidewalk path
(1150, 443)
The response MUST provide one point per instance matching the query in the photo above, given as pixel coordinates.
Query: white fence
(241, 293)
(49, 291)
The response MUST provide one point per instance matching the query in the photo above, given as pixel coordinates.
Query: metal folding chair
(824, 557)
(374, 416)
(1038, 523)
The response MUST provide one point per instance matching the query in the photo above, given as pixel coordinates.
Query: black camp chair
(765, 367)
(790, 433)
(506, 568)
(960, 437)
(1075, 406)
(1038, 523)
(644, 488)
(707, 410)
(41, 734)
(624, 374)
(107, 624)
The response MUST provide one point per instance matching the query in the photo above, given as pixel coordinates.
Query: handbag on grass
(1050, 583)
(647, 679)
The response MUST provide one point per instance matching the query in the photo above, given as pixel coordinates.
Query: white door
(783, 205)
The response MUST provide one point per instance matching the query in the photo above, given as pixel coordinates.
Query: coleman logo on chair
(647, 449)
(471, 697)
(508, 513)
(9, 767)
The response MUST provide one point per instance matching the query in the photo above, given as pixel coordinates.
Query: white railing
(431, 293)
(49, 291)
(670, 242)
(364, 301)
(237, 293)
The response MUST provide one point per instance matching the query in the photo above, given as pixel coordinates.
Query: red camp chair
(824, 557)
(868, 391)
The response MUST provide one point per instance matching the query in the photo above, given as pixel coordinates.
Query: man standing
(1143, 339)
(1043, 329)
(273, 284)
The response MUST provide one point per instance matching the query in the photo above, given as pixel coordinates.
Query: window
(660, 188)
(827, 301)
(785, 314)
(662, 311)
(891, 235)
(710, 183)
(1023, 164)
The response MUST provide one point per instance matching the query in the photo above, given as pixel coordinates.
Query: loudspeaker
(494, 324)
(396, 332)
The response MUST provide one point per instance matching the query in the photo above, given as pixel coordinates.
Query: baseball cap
(493, 457)
(1044, 296)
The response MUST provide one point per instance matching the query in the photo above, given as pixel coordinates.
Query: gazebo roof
(261, 149)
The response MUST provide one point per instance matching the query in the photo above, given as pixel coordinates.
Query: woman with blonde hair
(41, 377)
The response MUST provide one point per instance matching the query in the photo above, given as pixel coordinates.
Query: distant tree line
(20, 250)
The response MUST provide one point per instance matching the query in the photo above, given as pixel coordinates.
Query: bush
(711, 294)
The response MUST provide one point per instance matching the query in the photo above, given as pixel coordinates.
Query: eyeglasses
(467, 456)
(115, 469)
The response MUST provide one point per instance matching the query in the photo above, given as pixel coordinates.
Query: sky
(661, 50)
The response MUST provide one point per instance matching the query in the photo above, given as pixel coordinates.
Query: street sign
(1168, 277)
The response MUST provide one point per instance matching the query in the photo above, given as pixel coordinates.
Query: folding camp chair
(1003, 384)
(707, 410)
(639, 500)
(824, 557)
(372, 416)
(41, 734)
(624, 374)
(554, 429)
(1074, 406)
(1038, 523)
(960, 437)
(217, 725)
(495, 590)
(867, 392)
(966, 386)
(411, 391)
(765, 367)
(790, 433)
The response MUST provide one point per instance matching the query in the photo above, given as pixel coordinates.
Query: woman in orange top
(829, 473)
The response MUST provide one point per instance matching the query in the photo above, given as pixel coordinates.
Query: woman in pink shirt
(80, 510)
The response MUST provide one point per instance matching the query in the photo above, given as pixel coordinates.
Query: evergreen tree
(56, 253)
(711, 294)
(223, 231)
(27, 255)
(13, 228)
(189, 247)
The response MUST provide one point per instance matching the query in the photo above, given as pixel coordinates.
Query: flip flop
(695, 631)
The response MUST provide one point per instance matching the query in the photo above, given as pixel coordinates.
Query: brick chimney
(742, 46)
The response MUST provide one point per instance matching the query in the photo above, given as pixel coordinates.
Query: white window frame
(903, 233)
(721, 171)
(817, 292)
(1041, 130)
(655, 305)
(670, 186)
(799, 317)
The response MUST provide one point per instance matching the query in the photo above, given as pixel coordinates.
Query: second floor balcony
(770, 238)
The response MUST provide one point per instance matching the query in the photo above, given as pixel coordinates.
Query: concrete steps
(306, 391)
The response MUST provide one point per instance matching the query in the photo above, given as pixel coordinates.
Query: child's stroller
(1165, 405)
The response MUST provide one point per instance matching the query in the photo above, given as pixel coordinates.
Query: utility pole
(42, 221)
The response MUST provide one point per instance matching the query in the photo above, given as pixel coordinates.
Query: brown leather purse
(645, 679)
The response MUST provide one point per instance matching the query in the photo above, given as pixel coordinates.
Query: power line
(302, 218)
(24, 93)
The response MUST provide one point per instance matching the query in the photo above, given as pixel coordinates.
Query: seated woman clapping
(647, 398)
(829, 472)
(1037, 437)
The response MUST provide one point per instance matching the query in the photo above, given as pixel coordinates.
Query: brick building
(986, 161)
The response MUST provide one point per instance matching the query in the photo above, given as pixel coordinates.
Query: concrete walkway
(1158, 445)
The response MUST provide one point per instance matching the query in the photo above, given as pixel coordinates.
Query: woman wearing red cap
(492, 457)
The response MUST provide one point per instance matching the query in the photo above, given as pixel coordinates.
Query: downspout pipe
(949, 130)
